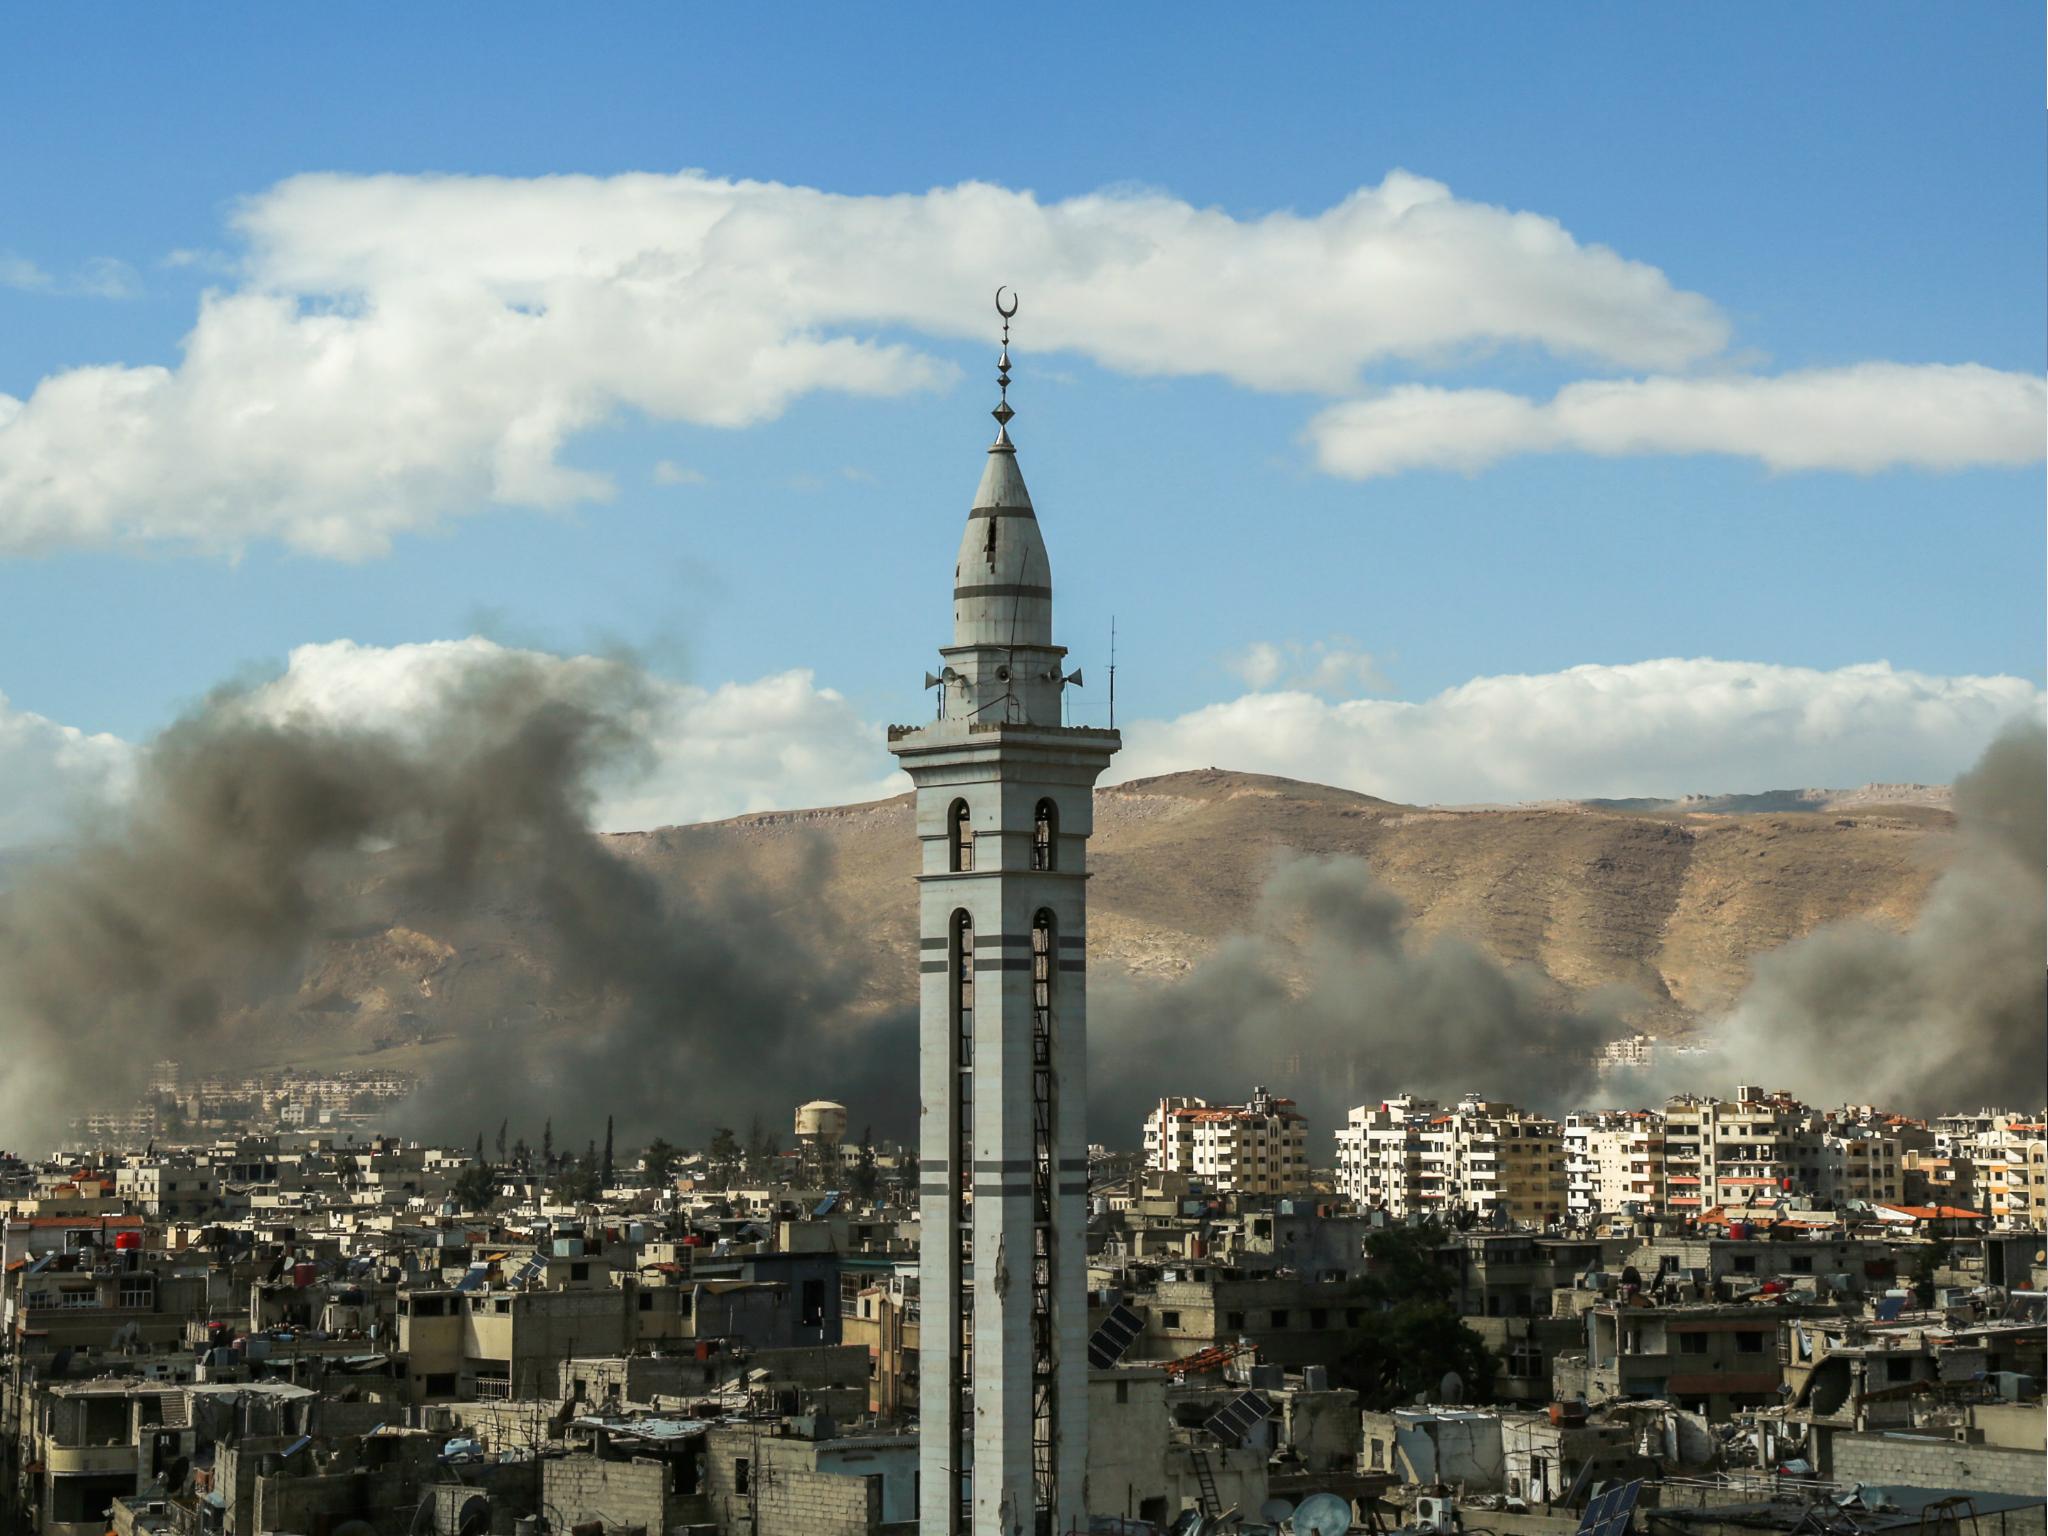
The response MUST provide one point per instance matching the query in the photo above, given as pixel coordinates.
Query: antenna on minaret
(1112, 671)
(1002, 412)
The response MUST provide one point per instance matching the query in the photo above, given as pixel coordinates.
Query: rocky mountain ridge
(1667, 905)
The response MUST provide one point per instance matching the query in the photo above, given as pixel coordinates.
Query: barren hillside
(1672, 903)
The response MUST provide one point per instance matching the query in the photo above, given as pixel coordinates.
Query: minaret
(1005, 803)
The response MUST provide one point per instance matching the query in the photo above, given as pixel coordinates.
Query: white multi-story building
(2009, 1155)
(1407, 1156)
(1380, 1156)
(1614, 1162)
(1259, 1147)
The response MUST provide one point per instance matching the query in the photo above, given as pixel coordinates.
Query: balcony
(73, 1460)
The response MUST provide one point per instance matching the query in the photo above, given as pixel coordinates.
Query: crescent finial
(1012, 310)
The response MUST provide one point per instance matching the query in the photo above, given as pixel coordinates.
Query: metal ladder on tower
(1211, 1505)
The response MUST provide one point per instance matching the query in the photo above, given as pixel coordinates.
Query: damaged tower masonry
(1004, 809)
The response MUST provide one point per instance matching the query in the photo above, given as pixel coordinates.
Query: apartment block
(1259, 1147)
(1614, 1163)
(1755, 1147)
(1487, 1159)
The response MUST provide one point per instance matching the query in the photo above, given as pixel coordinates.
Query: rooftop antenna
(1112, 671)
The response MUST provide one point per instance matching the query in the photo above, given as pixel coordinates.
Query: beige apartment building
(1861, 1162)
(1380, 1156)
(2012, 1170)
(1491, 1160)
(1755, 1147)
(1259, 1147)
(1614, 1163)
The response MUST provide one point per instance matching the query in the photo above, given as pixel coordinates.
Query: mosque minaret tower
(1004, 808)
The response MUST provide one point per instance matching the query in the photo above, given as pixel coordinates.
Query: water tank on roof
(821, 1120)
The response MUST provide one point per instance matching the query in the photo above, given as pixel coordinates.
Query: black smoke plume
(1326, 1001)
(252, 840)
(1951, 1014)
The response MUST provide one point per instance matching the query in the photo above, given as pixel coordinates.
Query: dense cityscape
(291, 1323)
(610, 927)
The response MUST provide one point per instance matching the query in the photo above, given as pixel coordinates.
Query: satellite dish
(1275, 1511)
(1451, 1389)
(1322, 1514)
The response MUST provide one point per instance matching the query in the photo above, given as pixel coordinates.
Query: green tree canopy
(1412, 1337)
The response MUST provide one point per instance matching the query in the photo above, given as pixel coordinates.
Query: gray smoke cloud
(1951, 1014)
(1323, 998)
(251, 841)
(1326, 1000)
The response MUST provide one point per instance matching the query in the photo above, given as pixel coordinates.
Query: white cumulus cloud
(52, 776)
(404, 348)
(1335, 665)
(779, 742)
(1647, 728)
(1864, 418)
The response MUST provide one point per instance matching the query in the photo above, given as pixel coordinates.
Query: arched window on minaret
(1044, 1185)
(959, 839)
(960, 983)
(1045, 836)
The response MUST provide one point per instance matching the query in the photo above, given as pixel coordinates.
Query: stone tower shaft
(1005, 806)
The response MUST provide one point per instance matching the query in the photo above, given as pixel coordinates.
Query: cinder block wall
(795, 1498)
(1928, 1463)
(577, 1489)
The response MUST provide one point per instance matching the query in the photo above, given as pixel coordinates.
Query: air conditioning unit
(1433, 1514)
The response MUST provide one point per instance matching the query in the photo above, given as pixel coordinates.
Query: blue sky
(1842, 185)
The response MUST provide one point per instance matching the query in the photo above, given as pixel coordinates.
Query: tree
(476, 1187)
(658, 1164)
(547, 1144)
(1413, 1336)
(724, 1152)
(607, 1151)
(567, 1187)
(1933, 1256)
(479, 1146)
(503, 1125)
(865, 1181)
